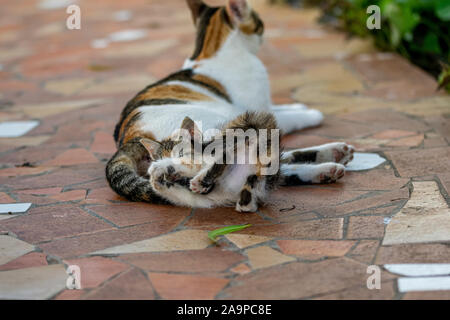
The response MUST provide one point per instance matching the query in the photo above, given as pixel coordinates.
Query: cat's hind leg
(338, 152)
(203, 181)
(296, 118)
(298, 174)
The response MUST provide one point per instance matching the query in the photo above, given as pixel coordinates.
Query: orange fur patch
(216, 34)
(173, 92)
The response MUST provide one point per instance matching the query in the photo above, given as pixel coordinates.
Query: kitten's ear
(152, 147)
(238, 10)
(197, 7)
(189, 125)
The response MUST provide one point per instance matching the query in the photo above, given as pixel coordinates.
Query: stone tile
(424, 218)
(14, 129)
(210, 218)
(32, 259)
(103, 143)
(427, 295)
(12, 248)
(102, 196)
(209, 260)
(43, 110)
(413, 253)
(127, 83)
(386, 292)
(241, 269)
(365, 251)
(23, 171)
(73, 195)
(130, 285)
(96, 270)
(365, 227)
(33, 283)
(70, 294)
(140, 50)
(85, 243)
(181, 287)
(68, 87)
(246, 240)
(48, 223)
(315, 249)
(127, 214)
(298, 280)
(263, 257)
(180, 240)
(367, 202)
(413, 141)
(426, 161)
(392, 134)
(315, 229)
(73, 157)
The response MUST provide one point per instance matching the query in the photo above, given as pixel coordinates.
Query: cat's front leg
(296, 117)
(203, 182)
(248, 201)
(338, 152)
(297, 174)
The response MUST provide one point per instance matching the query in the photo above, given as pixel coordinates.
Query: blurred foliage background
(417, 29)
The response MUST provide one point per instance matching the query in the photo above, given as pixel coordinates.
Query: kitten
(222, 80)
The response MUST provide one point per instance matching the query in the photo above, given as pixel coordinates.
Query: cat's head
(215, 25)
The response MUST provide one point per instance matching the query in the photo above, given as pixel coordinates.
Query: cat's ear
(189, 125)
(238, 10)
(197, 7)
(152, 147)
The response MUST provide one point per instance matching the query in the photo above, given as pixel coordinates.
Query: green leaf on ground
(222, 231)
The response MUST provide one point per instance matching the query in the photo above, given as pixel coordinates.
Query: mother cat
(221, 80)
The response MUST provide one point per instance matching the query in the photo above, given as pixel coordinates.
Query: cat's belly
(163, 120)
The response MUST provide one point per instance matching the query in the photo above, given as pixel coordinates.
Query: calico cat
(220, 82)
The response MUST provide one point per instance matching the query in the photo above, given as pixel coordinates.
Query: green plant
(222, 231)
(417, 29)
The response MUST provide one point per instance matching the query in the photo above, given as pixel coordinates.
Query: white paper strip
(419, 270)
(14, 207)
(424, 284)
(13, 129)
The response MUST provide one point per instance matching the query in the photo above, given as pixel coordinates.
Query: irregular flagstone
(43, 110)
(424, 218)
(364, 227)
(315, 249)
(24, 141)
(181, 287)
(180, 240)
(120, 84)
(263, 257)
(95, 270)
(209, 260)
(13, 129)
(72, 157)
(32, 259)
(426, 161)
(413, 141)
(423, 284)
(12, 248)
(418, 270)
(365, 251)
(33, 283)
(364, 161)
(386, 292)
(427, 295)
(413, 253)
(299, 280)
(246, 240)
(130, 285)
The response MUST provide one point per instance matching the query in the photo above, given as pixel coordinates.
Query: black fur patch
(304, 156)
(202, 26)
(246, 197)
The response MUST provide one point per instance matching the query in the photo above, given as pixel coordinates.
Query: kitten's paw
(250, 207)
(199, 185)
(338, 152)
(162, 175)
(329, 173)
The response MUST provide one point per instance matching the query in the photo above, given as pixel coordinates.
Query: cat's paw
(162, 175)
(199, 185)
(329, 173)
(250, 207)
(338, 152)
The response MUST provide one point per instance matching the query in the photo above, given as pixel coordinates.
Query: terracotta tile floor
(396, 213)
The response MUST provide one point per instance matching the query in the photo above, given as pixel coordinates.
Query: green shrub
(417, 29)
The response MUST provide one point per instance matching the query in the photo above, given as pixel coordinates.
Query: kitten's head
(215, 25)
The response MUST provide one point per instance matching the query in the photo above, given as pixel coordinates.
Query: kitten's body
(222, 80)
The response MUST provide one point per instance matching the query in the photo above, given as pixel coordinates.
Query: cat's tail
(122, 173)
